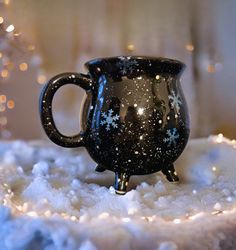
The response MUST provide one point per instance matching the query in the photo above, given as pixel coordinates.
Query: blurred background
(41, 38)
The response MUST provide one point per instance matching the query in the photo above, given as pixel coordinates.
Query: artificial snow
(53, 199)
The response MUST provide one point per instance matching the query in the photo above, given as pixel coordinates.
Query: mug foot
(100, 168)
(121, 183)
(170, 173)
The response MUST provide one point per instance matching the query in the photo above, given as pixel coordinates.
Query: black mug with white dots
(134, 120)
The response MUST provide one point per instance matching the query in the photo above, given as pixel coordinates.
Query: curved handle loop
(45, 107)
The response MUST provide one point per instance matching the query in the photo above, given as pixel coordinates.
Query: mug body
(136, 121)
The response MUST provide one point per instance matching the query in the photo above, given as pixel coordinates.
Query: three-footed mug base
(170, 173)
(121, 183)
(122, 179)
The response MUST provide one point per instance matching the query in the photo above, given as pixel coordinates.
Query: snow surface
(54, 200)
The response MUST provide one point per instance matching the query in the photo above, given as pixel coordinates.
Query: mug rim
(139, 58)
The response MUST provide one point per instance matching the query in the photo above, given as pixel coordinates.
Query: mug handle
(45, 107)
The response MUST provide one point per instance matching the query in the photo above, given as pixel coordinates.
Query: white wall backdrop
(202, 34)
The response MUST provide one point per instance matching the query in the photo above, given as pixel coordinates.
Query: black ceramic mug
(134, 120)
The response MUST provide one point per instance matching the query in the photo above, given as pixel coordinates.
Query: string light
(32, 214)
(10, 28)
(9, 60)
(177, 221)
(17, 34)
(23, 66)
(3, 98)
(194, 191)
(126, 219)
(10, 104)
(4, 73)
(31, 47)
(189, 47)
(41, 79)
(214, 168)
(219, 138)
(211, 68)
(196, 216)
(48, 213)
(6, 2)
(103, 216)
(130, 47)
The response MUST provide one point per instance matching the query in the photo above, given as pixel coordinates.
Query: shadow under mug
(134, 120)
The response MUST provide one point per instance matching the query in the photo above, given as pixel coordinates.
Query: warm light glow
(130, 47)
(4, 73)
(1, 20)
(157, 77)
(41, 79)
(32, 214)
(48, 213)
(73, 218)
(198, 215)
(214, 168)
(0, 55)
(10, 28)
(17, 34)
(189, 47)
(219, 138)
(177, 221)
(31, 47)
(103, 215)
(10, 104)
(23, 66)
(211, 68)
(6, 2)
(126, 219)
(3, 98)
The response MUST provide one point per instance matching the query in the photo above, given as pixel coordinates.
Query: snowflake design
(127, 65)
(110, 119)
(175, 100)
(172, 136)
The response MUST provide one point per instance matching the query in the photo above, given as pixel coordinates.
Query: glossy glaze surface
(135, 119)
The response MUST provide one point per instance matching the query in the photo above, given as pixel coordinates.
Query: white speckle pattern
(127, 66)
